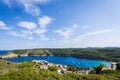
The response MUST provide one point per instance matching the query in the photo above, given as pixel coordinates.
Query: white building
(113, 65)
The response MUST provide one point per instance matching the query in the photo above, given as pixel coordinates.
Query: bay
(80, 62)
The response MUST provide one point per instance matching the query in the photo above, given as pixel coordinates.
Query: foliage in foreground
(6, 66)
(27, 71)
(40, 74)
(118, 66)
(98, 69)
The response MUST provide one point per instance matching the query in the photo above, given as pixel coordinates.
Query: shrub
(52, 68)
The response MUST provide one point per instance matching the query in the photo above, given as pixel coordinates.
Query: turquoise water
(80, 62)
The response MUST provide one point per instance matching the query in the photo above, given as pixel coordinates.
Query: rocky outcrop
(9, 55)
(12, 55)
(21, 55)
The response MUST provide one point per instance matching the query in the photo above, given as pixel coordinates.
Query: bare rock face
(21, 55)
(9, 55)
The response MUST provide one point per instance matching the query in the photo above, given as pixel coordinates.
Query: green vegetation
(98, 69)
(6, 66)
(29, 72)
(52, 68)
(112, 54)
(73, 68)
(27, 64)
(39, 74)
(118, 66)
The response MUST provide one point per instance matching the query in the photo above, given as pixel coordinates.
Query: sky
(27, 24)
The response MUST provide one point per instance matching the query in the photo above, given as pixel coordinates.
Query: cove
(80, 62)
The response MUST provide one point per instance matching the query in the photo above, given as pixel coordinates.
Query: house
(44, 67)
(59, 71)
(106, 68)
(113, 65)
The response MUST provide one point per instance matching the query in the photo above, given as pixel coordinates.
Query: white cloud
(27, 25)
(85, 27)
(3, 26)
(26, 32)
(87, 36)
(30, 6)
(30, 37)
(98, 32)
(67, 32)
(44, 38)
(7, 2)
(32, 29)
(89, 39)
(40, 31)
(22, 33)
(44, 21)
(41, 34)
(94, 33)
(2, 23)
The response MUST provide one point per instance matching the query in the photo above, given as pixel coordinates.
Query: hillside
(27, 71)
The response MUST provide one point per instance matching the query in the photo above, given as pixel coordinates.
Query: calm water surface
(80, 62)
(4, 51)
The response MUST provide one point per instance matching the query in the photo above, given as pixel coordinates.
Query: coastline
(105, 54)
(60, 60)
(13, 55)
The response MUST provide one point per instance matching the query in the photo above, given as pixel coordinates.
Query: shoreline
(13, 55)
(30, 58)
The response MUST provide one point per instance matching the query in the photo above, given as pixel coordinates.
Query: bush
(98, 69)
(52, 68)
(118, 66)
(27, 64)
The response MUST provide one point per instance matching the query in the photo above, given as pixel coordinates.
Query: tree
(52, 68)
(98, 69)
(118, 66)
(73, 68)
(27, 64)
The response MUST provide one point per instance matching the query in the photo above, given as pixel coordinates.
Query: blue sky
(59, 23)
